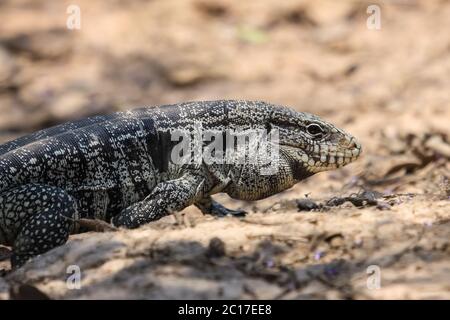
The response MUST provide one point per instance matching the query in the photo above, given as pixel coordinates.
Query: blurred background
(317, 56)
(390, 87)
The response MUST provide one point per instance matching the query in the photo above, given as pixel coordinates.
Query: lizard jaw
(328, 157)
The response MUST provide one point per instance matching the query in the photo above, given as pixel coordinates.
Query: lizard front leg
(209, 206)
(166, 198)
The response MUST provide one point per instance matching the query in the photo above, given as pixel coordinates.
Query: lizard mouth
(328, 157)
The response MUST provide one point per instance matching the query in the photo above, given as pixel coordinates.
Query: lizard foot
(218, 210)
(211, 207)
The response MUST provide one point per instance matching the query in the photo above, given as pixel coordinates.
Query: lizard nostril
(352, 145)
(349, 144)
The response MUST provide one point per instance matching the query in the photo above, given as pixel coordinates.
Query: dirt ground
(388, 212)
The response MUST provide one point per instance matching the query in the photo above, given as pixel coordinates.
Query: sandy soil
(388, 87)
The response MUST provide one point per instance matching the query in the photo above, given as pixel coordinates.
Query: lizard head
(312, 142)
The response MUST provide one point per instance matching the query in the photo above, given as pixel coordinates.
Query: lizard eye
(315, 130)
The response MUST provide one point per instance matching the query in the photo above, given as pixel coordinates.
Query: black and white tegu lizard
(120, 168)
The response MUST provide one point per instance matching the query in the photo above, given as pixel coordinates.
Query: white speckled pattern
(117, 168)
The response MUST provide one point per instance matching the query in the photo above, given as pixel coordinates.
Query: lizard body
(119, 168)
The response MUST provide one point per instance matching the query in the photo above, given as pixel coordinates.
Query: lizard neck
(298, 168)
(247, 182)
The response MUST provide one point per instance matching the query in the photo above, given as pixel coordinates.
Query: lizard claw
(218, 210)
